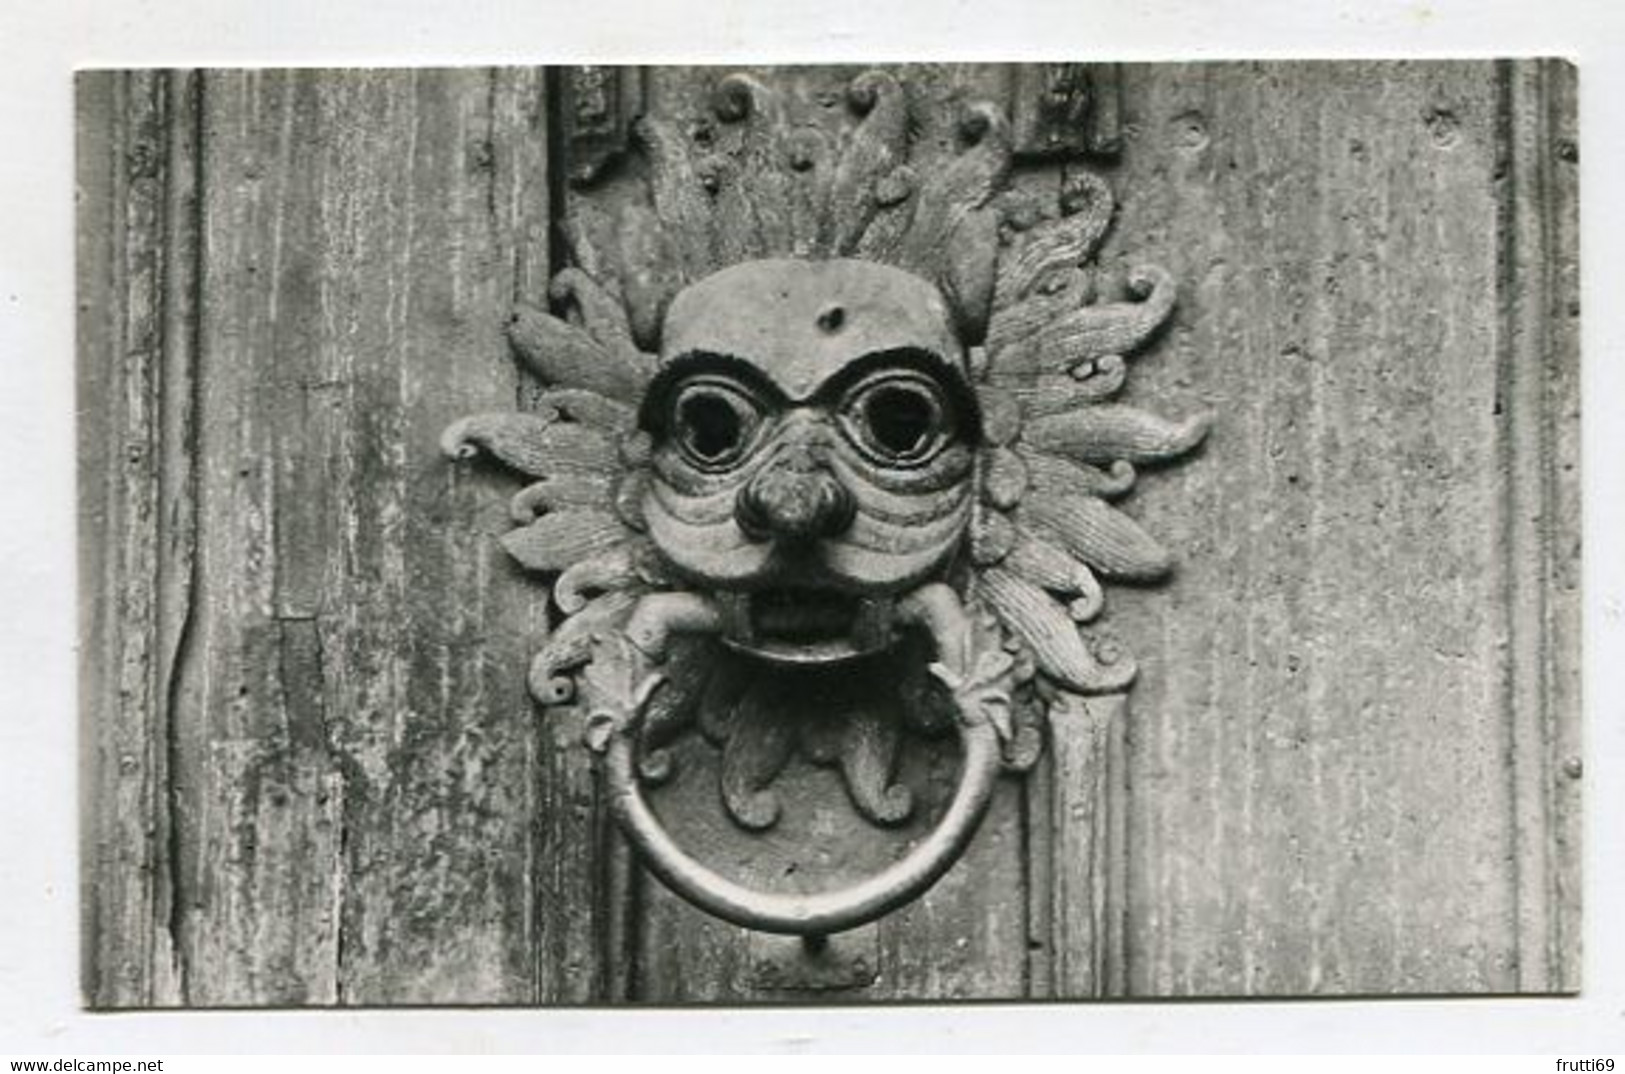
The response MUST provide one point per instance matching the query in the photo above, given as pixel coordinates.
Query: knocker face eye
(898, 418)
(715, 422)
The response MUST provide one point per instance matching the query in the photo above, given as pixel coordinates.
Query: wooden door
(1350, 764)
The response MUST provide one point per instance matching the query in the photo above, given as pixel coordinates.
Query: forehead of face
(800, 322)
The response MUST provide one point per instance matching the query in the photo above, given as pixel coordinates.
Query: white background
(41, 43)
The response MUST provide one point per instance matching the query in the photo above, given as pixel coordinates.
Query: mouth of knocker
(806, 623)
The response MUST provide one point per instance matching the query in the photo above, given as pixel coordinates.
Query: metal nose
(796, 498)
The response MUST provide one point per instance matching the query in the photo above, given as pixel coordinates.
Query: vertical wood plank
(361, 754)
(1083, 852)
(1539, 383)
(262, 793)
(1318, 763)
(1564, 645)
(137, 155)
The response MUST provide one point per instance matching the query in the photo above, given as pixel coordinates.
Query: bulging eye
(714, 422)
(898, 418)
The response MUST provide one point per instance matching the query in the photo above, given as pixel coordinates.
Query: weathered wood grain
(346, 812)
(1077, 850)
(1323, 756)
(1560, 152)
(136, 157)
(1538, 354)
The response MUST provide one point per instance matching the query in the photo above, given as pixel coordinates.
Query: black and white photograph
(828, 533)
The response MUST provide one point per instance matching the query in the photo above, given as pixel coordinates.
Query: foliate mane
(794, 191)
(1047, 357)
(1058, 449)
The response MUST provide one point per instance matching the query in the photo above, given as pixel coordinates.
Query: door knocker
(826, 458)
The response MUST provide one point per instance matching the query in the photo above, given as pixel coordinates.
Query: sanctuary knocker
(824, 464)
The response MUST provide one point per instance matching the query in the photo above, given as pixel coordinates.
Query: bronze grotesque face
(825, 458)
(814, 448)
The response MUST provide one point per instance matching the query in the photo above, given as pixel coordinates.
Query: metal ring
(820, 913)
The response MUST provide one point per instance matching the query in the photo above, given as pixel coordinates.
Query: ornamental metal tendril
(827, 458)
